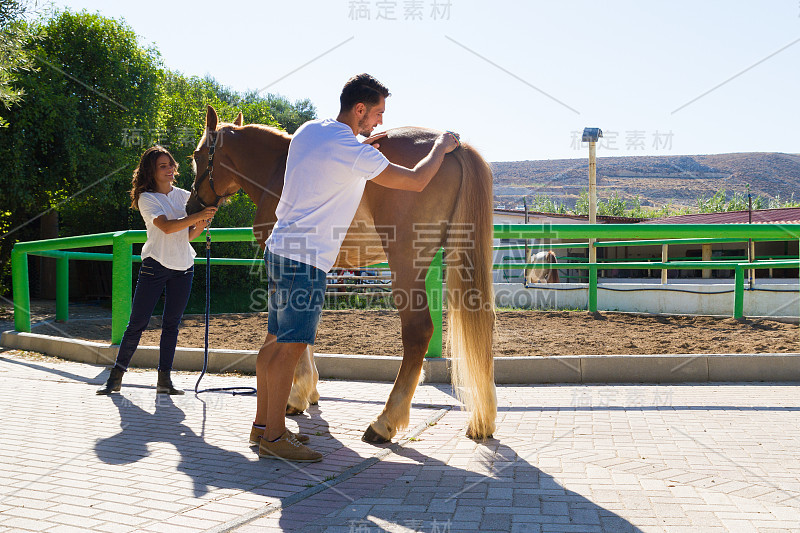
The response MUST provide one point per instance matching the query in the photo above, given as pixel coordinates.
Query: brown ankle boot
(164, 385)
(114, 382)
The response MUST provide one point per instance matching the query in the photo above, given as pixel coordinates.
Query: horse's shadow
(511, 494)
(413, 491)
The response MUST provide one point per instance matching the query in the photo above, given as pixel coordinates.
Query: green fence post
(593, 288)
(122, 272)
(62, 287)
(738, 292)
(434, 287)
(22, 295)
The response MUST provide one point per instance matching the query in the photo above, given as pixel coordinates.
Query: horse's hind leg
(304, 385)
(417, 330)
(313, 397)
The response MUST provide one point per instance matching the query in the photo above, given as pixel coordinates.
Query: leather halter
(210, 173)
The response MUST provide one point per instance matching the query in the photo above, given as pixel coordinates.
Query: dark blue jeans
(153, 280)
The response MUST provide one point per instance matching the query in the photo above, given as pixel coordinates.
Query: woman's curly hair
(144, 177)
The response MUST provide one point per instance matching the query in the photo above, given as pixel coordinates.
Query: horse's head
(214, 175)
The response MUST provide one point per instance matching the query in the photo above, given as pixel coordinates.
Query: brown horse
(545, 273)
(405, 228)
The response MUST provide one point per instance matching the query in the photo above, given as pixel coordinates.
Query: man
(326, 172)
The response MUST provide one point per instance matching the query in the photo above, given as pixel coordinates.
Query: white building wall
(770, 297)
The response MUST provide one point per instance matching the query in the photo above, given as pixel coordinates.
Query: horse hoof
(370, 435)
(473, 436)
(291, 411)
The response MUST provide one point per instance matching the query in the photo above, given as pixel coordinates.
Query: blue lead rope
(233, 390)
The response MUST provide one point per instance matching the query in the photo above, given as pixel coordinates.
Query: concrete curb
(667, 368)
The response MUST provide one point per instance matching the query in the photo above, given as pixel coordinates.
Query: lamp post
(591, 135)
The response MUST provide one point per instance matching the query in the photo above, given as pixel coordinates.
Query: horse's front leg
(304, 385)
(417, 330)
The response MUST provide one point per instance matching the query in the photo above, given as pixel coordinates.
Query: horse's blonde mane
(270, 129)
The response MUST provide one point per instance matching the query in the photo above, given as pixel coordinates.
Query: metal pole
(527, 248)
(434, 287)
(62, 287)
(121, 299)
(706, 256)
(738, 292)
(22, 295)
(592, 197)
(751, 252)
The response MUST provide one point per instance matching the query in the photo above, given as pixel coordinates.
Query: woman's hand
(205, 216)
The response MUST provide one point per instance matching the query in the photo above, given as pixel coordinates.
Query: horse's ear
(239, 120)
(211, 119)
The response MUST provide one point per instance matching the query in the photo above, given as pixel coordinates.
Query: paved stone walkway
(577, 458)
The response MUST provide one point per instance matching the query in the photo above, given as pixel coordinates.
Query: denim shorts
(296, 295)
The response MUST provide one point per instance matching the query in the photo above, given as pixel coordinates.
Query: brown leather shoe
(255, 436)
(289, 449)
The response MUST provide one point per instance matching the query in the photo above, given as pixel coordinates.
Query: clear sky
(516, 79)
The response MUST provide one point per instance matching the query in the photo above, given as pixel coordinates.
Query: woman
(167, 262)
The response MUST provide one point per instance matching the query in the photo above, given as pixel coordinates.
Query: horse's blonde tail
(470, 294)
(304, 384)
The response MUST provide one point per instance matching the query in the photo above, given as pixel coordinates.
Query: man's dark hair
(364, 89)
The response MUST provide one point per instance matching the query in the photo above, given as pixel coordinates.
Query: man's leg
(270, 350)
(274, 373)
(262, 402)
(293, 317)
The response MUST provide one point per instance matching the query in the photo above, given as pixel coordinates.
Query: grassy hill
(657, 180)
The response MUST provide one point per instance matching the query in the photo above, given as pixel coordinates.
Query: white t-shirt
(171, 250)
(326, 172)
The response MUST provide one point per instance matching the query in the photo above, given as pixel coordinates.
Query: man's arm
(417, 178)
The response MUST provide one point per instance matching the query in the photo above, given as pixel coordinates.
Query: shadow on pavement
(427, 495)
(208, 466)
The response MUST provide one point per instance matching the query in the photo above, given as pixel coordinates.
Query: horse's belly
(362, 245)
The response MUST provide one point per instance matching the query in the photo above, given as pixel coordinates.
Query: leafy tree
(181, 115)
(738, 201)
(545, 204)
(615, 206)
(714, 204)
(291, 116)
(637, 211)
(13, 57)
(778, 202)
(582, 203)
(618, 207)
(93, 81)
(97, 100)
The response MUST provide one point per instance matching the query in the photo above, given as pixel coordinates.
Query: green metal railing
(122, 270)
(122, 260)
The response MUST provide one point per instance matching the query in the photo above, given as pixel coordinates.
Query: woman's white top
(171, 250)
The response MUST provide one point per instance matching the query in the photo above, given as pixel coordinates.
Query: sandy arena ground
(518, 333)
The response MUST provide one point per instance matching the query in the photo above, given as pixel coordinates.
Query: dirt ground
(518, 333)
